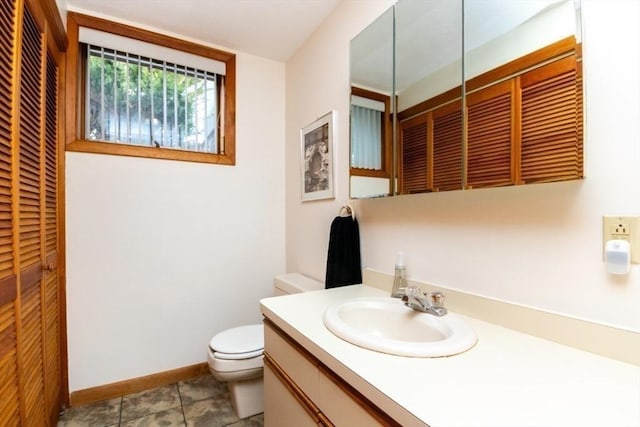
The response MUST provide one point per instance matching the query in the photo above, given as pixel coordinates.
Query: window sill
(373, 173)
(84, 146)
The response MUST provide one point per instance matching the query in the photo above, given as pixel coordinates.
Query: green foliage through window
(142, 101)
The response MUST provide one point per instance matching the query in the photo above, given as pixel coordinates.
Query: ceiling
(429, 37)
(273, 29)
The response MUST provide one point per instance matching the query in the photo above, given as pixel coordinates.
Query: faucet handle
(410, 292)
(437, 299)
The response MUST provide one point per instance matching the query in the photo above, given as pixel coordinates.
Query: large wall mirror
(371, 128)
(469, 94)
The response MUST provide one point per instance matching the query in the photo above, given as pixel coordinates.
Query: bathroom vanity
(508, 378)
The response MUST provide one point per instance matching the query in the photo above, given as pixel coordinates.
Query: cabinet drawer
(302, 369)
(282, 409)
(345, 407)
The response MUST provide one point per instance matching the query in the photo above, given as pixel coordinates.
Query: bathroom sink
(388, 326)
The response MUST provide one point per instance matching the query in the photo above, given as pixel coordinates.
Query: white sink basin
(386, 325)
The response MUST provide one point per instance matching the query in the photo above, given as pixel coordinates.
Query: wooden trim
(549, 70)
(387, 131)
(229, 141)
(134, 385)
(96, 147)
(74, 107)
(431, 103)
(555, 50)
(372, 173)
(516, 132)
(72, 67)
(125, 30)
(54, 21)
(61, 259)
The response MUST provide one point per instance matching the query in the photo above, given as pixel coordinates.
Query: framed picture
(316, 151)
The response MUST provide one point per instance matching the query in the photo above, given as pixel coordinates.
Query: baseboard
(605, 340)
(134, 385)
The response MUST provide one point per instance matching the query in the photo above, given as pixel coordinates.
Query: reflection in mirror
(519, 121)
(371, 110)
(429, 95)
(523, 92)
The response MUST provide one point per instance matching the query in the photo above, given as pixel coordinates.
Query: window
(370, 133)
(148, 95)
(366, 134)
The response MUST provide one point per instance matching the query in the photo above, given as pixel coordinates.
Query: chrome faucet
(427, 302)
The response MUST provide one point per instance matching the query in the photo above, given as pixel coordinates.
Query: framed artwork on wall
(317, 144)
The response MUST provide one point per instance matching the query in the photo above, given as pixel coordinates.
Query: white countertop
(507, 379)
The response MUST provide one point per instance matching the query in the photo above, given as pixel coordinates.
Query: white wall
(537, 245)
(317, 82)
(161, 255)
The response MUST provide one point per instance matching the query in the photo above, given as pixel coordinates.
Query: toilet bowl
(236, 356)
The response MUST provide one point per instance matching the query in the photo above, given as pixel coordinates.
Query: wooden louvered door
(447, 147)
(552, 122)
(9, 372)
(413, 148)
(31, 330)
(431, 150)
(29, 224)
(492, 136)
(51, 292)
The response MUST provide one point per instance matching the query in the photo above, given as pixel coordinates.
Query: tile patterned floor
(200, 402)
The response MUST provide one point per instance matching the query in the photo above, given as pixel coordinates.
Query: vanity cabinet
(301, 391)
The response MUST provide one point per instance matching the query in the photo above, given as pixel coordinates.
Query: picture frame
(317, 147)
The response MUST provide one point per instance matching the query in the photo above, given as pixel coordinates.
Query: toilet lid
(242, 342)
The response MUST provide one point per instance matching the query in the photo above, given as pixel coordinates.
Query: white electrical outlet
(623, 228)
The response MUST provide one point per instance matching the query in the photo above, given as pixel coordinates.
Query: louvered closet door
(552, 122)
(9, 387)
(30, 335)
(51, 282)
(490, 133)
(447, 147)
(31, 304)
(413, 149)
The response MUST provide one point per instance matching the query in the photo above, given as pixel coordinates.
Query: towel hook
(350, 211)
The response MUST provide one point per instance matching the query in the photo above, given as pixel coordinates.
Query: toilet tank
(293, 283)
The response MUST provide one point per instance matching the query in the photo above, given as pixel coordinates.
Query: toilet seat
(238, 356)
(242, 342)
(237, 349)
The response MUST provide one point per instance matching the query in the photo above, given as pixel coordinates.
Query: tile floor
(200, 402)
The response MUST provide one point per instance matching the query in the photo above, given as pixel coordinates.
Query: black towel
(343, 257)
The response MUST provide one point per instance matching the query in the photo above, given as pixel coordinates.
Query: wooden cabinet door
(30, 293)
(9, 387)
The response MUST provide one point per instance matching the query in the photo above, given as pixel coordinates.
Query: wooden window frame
(74, 140)
(385, 171)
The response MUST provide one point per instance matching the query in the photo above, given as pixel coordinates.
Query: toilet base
(247, 397)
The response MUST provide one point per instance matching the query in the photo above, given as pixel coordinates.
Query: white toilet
(235, 355)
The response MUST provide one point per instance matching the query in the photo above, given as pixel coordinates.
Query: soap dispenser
(399, 277)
